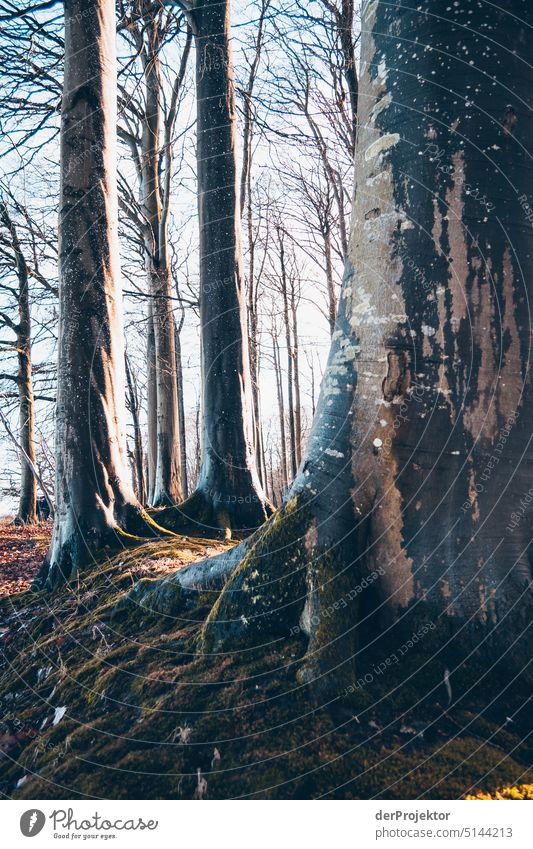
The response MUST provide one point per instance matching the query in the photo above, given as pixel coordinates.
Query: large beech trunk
(94, 498)
(417, 474)
(229, 497)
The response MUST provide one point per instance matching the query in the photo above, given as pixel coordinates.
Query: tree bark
(296, 374)
(138, 453)
(181, 412)
(290, 357)
(229, 497)
(345, 30)
(94, 499)
(167, 487)
(151, 403)
(281, 412)
(332, 297)
(416, 477)
(27, 509)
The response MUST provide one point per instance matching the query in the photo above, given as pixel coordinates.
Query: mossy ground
(144, 712)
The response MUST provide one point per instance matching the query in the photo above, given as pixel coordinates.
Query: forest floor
(99, 705)
(21, 553)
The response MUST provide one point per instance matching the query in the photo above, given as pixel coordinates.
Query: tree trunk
(281, 410)
(332, 297)
(229, 496)
(151, 403)
(414, 497)
(181, 413)
(27, 509)
(167, 481)
(94, 499)
(253, 331)
(296, 375)
(345, 28)
(290, 359)
(138, 454)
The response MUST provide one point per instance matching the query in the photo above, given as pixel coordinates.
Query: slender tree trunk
(229, 496)
(296, 375)
(94, 498)
(332, 297)
(181, 413)
(413, 501)
(290, 360)
(167, 487)
(346, 37)
(198, 454)
(27, 509)
(312, 368)
(253, 331)
(151, 403)
(247, 204)
(281, 408)
(138, 453)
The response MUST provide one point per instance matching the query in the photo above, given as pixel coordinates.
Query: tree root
(270, 587)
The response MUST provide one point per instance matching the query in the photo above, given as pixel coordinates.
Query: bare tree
(228, 495)
(148, 130)
(246, 207)
(134, 408)
(19, 261)
(94, 497)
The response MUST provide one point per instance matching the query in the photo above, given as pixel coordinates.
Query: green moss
(265, 594)
(126, 703)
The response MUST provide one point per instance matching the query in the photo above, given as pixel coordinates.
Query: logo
(32, 822)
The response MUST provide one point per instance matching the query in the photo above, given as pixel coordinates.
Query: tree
(22, 246)
(149, 133)
(416, 475)
(133, 406)
(228, 496)
(27, 510)
(95, 504)
(246, 207)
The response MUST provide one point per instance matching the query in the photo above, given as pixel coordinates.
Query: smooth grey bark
(228, 497)
(94, 498)
(417, 471)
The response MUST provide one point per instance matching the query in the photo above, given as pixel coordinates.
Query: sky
(37, 184)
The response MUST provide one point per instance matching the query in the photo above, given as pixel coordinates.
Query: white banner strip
(270, 825)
